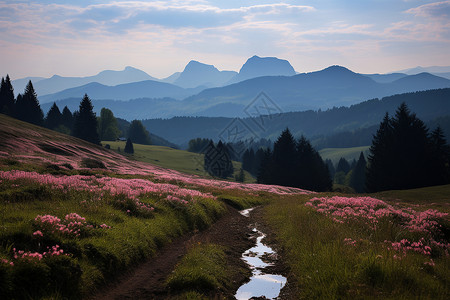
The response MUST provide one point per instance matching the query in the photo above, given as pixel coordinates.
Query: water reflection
(260, 284)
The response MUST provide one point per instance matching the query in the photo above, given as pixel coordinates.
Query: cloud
(174, 14)
(440, 10)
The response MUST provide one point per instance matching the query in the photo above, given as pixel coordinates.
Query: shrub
(92, 163)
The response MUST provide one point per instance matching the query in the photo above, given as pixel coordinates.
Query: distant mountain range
(126, 91)
(194, 75)
(56, 83)
(332, 87)
(435, 70)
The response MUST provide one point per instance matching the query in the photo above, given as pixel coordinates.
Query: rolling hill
(428, 105)
(134, 90)
(56, 83)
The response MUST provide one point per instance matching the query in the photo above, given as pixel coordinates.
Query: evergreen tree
(129, 147)
(410, 150)
(107, 125)
(248, 161)
(330, 167)
(198, 145)
(343, 166)
(284, 157)
(27, 107)
(7, 101)
(440, 151)
(294, 164)
(379, 161)
(265, 171)
(402, 155)
(358, 175)
(67, 118)
(53, 118)
(312, 172)
(217, 160)
(85, 123)
(138, 134)
(225, 160)
(259, 155)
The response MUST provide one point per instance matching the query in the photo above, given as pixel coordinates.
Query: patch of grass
(180, 160)
(95, 257)
(334, 154)
(429, 197)
(242, 201)
(202, 269)
(327, 267)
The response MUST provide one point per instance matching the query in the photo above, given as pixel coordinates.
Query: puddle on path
(260, 284)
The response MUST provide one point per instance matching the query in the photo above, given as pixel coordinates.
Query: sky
(81, 38)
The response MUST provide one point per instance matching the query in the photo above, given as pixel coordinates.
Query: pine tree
(343, 166)
(330, 167)
(225, 160)
(284, 156)
(379, 161)
(266, 170)
(85, 123)
(358, 175)
(259, 154)
(7, 101)
(67, 118)
(294, 164)
(129, 147)
(53, 118)
(410, 156)
(311, 171)
(27, 107)
(401, 155)
(440, 151)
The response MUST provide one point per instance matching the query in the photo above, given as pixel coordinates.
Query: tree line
(294, 163)
(404, 154)
(82, 123)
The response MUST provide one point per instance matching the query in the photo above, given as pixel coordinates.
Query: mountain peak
(199, 74)
(197, 66)
(257, 66)
(337, 68)
(129, 68)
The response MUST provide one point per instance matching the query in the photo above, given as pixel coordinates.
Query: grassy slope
(180, 160)
(436, 197)
(348, 153)
(98, 254)
(324, 266)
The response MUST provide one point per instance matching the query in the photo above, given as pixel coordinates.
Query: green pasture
(334, 154)
(179, 160)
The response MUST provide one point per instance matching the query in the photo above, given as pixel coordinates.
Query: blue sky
(79, 38)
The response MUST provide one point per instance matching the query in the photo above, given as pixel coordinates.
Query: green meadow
(179, 160)
(334, 154)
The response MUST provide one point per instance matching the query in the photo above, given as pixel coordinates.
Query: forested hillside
(430, 106)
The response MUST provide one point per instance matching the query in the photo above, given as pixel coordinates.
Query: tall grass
(334, 260)
(90, 259)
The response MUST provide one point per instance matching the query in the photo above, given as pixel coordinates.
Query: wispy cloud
(439, 10)
(52, 33)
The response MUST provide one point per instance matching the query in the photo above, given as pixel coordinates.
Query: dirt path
(147, 280)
